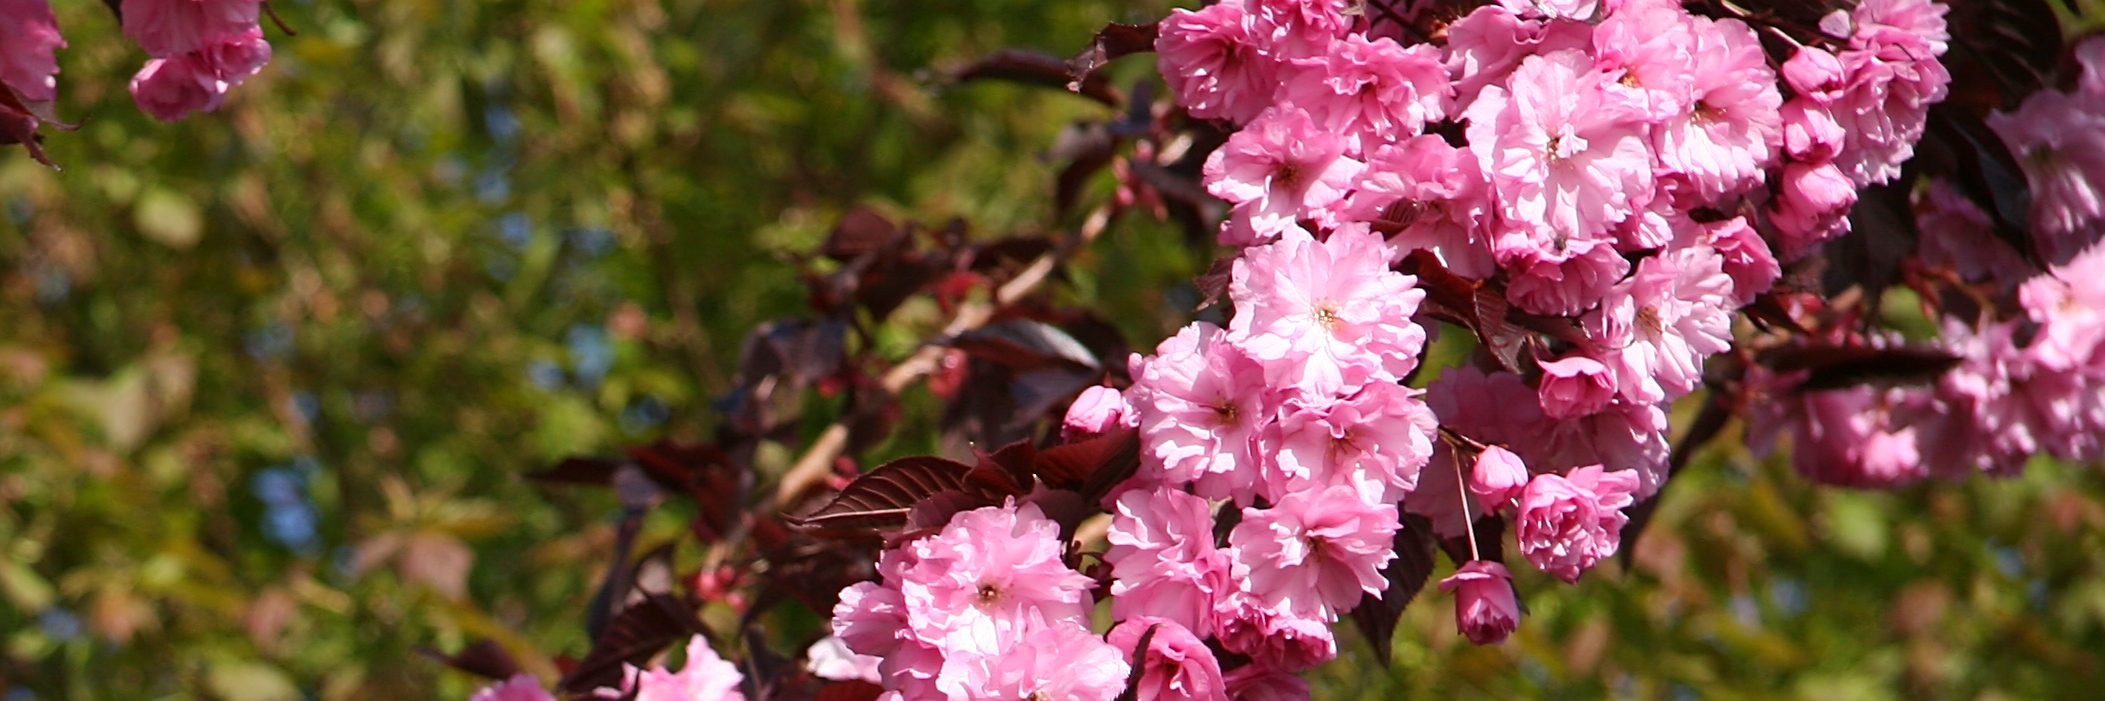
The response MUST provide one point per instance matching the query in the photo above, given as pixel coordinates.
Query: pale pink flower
(1483, 47)
(1176, 666)
(1372, 91)
(1816, 75)
(1727, 134)
(1163, 561)
(1810, 134)
(1575, 385)
(1656, 327)
(1486, 610)
(1059, 661)
(1256, 682)
(1648, 56)
(1568, 523)
(29, 44)
(1573, 9)
(1097, 410)
(1273, 636)
(1325, 317)
(1374, 441)
(1216, 63)
(1564, 162)
(1565, 283)
(1314, 553)
(990, 573)
(1744, 255)
(1496, 407)
(1892, 77)
(1625, 436)
(703, 677)
(871, 617)
(2068, 305)
(1433, 196)
(170, 28)
(831, 658)
(1899, 21)
(1200, 402)
(1498, 476)
(1811, 206)
(521, 687)
(2058, 140)
(174, 87)
(1280, 168)
(1300, 29)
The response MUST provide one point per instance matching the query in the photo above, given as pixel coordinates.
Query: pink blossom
(1567, 283)
(1570, 522)
(1439, 497)
(1273, 636)
(1483, 47)
(1486, 610)
(1811, 206)
(170, 28)
(1255, 682)
(1374, 441)
(1648, 56)
(174, 87)
(1575, 385)
(1573, 9)
(1498, 476)
(1815, 74)
(988, 574)
(1892, 77)
(1496, 407)
(1300, 28)
(1810, 134)
(1744, 255)
(2090, 59)
(1176, 664)
(521, 687)
(1564, 162)
(1280, 168)
(871, 618)
(1728, 133)
(1098, 410)
(1325, 317)
(1657, 326)
(2059, 141)
(1434, 194)
(1847, 437)
(29, 44)
(1163, 561)
(703, 677)
(1062, 661)
(1372, 91)
(1216, 63)
(1314, 553)
(1625, 436)
(831, 658)
(1957, 235)
(1200, 401)
(2068, 305)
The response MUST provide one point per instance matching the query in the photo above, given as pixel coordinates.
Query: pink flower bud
(1810, 132)
(1485, 610)
(1575, 386)
(1499, 476)
(1175, 665)
(1814, 73)
(1098, 410)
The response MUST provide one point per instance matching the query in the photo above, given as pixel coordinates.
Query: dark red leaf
(884, 497)
(482, 658)
(1024, 344)
(1094, 466)
(861, 231)
(637, 633)
(579, 470)
(1111, 43)
(1376, 615)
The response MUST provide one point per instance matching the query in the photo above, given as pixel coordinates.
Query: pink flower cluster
(702, 677)
(984, 609)
(199, 49)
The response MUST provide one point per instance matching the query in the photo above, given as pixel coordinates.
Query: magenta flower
(1433, 196)
(1314, 553)
(1568, 523)
(1811, 206)
(170, 28)
(1325, 317)
(1279, 169)
(1958, 236)
(1647, 54)
(1892, 76)
(1810, 133)
(1484, 46)
(1200, 402)
(1656, 327)
(1273, 637)
(521, 687)
(1564, 284)
(1097, 410)
(174, 87)
(29, 44)
(1564, 162)
(1744, 255)
(1256, 682)
(1176, 666)
(1485, 609)
(1372, 91)
(703, 677)
(989, 573)
(1575, 385)
(2059, 141)
(1216, 63)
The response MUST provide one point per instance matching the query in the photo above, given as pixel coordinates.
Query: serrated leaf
(884, 497)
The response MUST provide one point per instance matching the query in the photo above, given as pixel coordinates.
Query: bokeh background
(269, 377)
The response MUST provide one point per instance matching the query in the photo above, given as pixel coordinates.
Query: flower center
(1326, 315)
(1648, 319)
(1288, 176)
(1704, 113)
(989, 594)
(1226, 411)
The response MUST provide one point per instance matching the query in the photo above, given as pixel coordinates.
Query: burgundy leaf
(884, 497)
(1024, 344)
(1111, 43)
(637, 633)
(854, 690)
(1376, 615)
(1834, 367)
(482, 658)
(1033, 68)
(1091, 466)
(861, 231)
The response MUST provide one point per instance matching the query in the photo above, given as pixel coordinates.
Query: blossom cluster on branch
(197, 49)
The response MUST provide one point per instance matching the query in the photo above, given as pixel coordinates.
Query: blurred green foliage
(269, 377)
